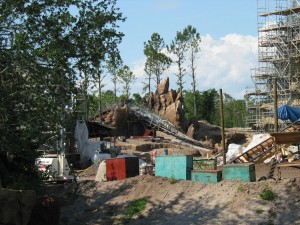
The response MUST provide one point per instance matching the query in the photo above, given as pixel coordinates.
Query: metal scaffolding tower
(278, 57)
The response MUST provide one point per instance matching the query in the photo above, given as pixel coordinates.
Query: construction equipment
(55, 168)
(265, 149)
(155, 121)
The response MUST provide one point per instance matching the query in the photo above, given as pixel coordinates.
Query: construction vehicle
(55, 168)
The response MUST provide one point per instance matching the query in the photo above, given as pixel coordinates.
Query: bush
(172, 180)
(135, 207)
(259, 211)
(267, 194)
(241, 187)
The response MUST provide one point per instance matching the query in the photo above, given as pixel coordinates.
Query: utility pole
(222, 126)
(275, 106)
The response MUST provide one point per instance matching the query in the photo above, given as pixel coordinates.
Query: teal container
(174, 166)
(203, 163)
(244, 172)
(207, 176)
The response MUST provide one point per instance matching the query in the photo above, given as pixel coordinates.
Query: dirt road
(182, 202)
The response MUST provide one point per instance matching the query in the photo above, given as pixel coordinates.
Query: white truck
(56, 168)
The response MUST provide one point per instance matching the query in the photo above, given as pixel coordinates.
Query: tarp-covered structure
(89, 150)
(286, 112)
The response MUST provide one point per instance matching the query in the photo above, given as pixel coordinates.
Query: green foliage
(43, 49)
(259, 211)
(172, 180)
(178, 47)
(127, 78)
(135, 207)
(189, 104)
(26, 181)
(241, 187)
(156, 61)
(234, 111)
(137, 98)
(208, 108)
(267, 194)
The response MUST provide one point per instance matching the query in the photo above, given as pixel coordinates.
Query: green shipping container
(202, 163)
(244, 172)
(207, 176)
(174, 166)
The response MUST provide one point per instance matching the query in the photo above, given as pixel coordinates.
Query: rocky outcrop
(23, 207)
(191, 131)
(168, 104)
(163, 87)
(16, 206)
(117, 118)
(204, 131)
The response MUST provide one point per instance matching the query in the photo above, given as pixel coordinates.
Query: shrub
(172, 180)
(241, 187)
(135, 207)
(259, 211)
(267, 194)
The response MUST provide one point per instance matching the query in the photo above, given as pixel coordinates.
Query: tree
(42, 48)
(101, 77)
(178, 47)
(137, 98)
(209, 108)
(190, 98)
(194, 40)
(108, 98)
(96, 38)
(156, 61)
(113, 65)
(236, 108)
(127, 77)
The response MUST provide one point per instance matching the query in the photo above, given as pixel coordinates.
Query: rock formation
(204, 131)
(16, 206)
(167, 104)
(117, 118)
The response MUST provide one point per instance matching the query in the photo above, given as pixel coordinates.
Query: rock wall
(16, 206)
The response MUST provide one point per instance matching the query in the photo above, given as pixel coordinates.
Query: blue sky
(229, 39)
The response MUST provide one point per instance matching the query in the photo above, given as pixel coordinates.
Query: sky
(228, 30)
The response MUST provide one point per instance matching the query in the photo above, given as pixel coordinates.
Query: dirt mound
(182, 202)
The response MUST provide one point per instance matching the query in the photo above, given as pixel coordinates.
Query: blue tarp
(291, 113)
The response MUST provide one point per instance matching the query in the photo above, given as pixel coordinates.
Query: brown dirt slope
(182, 202)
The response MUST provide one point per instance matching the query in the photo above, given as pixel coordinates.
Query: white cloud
(138, 68)
(225, 63)
(222, 64)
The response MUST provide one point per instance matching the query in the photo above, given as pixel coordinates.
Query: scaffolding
(278, 57)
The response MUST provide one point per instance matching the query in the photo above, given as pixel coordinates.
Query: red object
(122, 168)
(154, 153)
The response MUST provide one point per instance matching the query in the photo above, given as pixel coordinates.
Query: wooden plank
(286, 137)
